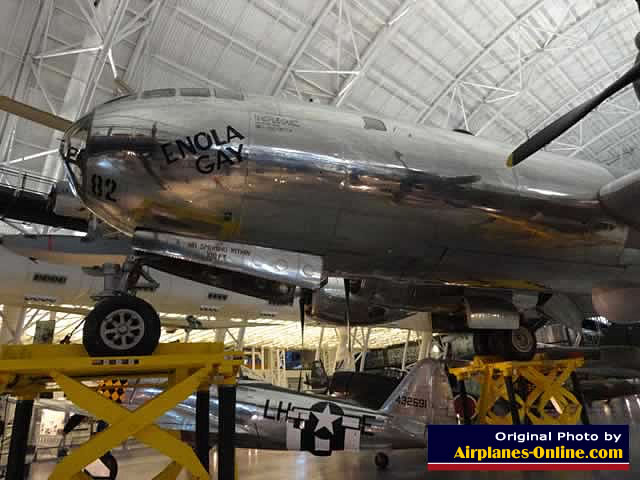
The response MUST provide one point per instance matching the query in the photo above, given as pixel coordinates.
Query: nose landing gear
(120, 323)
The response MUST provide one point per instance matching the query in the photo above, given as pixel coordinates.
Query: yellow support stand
(28, 370)
(546, 401)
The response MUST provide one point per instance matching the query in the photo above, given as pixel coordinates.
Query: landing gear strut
(518, 344)
(120, 323)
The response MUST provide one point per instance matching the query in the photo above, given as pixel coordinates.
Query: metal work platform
(27, 371)
(534, 391)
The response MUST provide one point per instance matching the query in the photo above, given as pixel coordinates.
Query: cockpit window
(228, 94)
(159, 93)
(371, 123)
(195, 92)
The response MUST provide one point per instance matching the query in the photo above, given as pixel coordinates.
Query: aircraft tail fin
(424, 393)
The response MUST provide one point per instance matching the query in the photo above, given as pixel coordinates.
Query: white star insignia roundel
(325, 419)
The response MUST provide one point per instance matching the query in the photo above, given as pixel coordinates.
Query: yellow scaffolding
(29, 370)
(543, 400)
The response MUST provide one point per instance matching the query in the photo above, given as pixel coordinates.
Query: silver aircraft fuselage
(269, 417)
(375, 198)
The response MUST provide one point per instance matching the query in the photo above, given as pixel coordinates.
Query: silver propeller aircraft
(278, 194)
(273, 418)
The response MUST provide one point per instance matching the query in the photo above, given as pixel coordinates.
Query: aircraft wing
(166, 320)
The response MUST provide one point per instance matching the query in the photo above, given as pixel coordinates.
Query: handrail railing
(25, 181)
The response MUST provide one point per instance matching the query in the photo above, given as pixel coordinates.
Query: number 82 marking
(103, 188)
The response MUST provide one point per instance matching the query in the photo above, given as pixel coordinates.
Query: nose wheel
(121, 325)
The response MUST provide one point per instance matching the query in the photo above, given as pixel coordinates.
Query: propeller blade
(636, 85)
(568, 120)
(302, 304)
(33, 114)
(347, 292)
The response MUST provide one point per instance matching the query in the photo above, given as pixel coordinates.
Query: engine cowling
(491, 313)
(374, 302)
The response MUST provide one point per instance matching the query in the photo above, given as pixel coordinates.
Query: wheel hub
(522, 340)
(122, 329)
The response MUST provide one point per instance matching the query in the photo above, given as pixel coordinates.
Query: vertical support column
(226, 429)
(404, 350)
(240, 341)
(426, 337)
(202, 426)
(365, 348)
(19, 439)
(221, 333)
(253, 358)
(12, 325)
(343, 354)
(319, 349)
(584, 416)
(465, 408)
(513, 405)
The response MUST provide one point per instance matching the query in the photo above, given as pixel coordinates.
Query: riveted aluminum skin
(403, 203)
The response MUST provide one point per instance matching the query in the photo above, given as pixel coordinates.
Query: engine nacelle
(374, 301)
(491, 313)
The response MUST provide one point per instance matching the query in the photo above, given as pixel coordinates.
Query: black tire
(102, 337)
(496, 343)
(519, 344)
(481, 343)
(381, 460)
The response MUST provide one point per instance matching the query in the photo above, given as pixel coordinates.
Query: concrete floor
(144, 464)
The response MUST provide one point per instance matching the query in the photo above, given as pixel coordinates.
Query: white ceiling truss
(501, 69)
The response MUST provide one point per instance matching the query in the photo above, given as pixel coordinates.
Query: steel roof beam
(311, 32)
(19, 87)
(525, 64)
(109, 38)
(477, 59)
(142, 43)
(373, 49)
